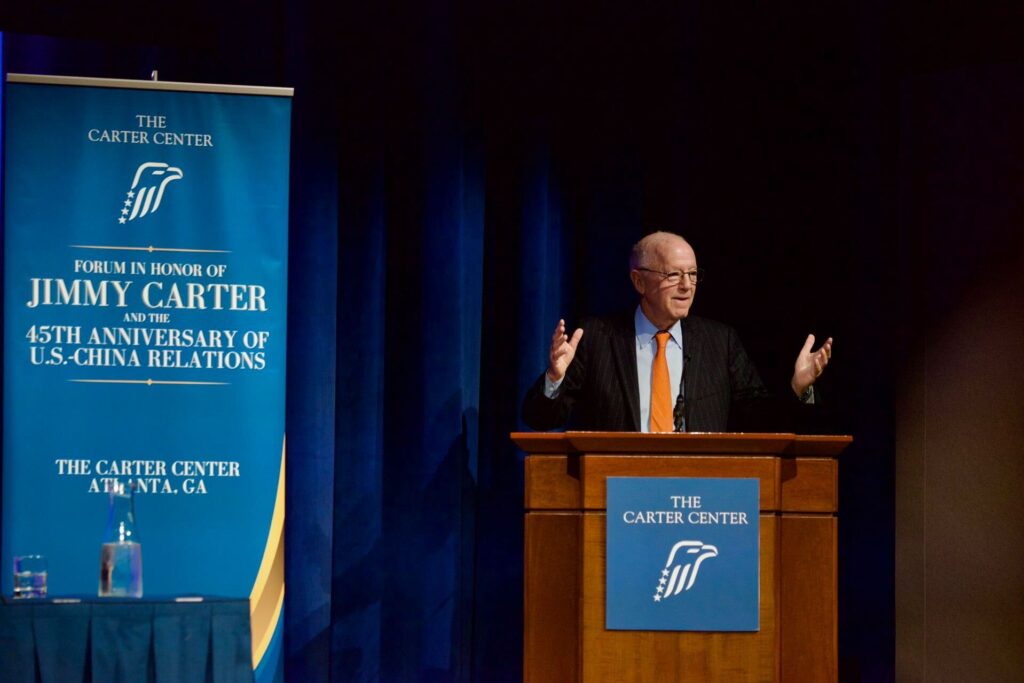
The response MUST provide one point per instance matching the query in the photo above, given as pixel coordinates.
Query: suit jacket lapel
(693, 348)
(624, 351)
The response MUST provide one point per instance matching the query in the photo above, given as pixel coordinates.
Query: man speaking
(660, 369)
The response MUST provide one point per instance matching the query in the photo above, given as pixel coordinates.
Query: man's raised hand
(809, 366)
(563, 350)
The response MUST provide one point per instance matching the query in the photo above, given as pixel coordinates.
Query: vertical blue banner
(144, 340)
(683, 554)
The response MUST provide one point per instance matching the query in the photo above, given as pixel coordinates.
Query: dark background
(465, 173)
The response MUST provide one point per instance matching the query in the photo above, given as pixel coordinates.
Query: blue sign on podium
(683, 554)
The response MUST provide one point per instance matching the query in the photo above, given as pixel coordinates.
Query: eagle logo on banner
(680, 572)
(147, 190)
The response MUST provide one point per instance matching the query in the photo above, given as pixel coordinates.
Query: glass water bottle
(121, 553)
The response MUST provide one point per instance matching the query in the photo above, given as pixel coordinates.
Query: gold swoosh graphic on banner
(267, 596)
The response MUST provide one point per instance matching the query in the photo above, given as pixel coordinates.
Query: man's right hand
(563, 350)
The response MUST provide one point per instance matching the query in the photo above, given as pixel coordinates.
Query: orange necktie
(661, 392)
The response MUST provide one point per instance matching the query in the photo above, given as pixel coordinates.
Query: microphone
(679, 412)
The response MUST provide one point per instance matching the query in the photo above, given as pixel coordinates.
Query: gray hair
(648, 244)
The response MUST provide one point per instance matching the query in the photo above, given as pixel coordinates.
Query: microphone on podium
(679, 412)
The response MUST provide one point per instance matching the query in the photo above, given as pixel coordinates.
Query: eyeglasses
(676, 276)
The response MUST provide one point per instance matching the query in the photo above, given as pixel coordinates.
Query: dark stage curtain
(464, 174)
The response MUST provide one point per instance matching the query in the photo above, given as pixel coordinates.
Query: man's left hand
(809, 365)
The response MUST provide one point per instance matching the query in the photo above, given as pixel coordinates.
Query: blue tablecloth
(125, 641)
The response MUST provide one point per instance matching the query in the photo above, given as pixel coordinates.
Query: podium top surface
(690, 443)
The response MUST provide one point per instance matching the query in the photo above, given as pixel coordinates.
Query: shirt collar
(645, 329)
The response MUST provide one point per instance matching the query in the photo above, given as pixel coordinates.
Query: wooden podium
(565, 640)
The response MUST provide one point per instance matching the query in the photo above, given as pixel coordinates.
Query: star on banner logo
(681, 568)
(147, 190)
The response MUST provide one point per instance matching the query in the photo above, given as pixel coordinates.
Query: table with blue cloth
(112, 640)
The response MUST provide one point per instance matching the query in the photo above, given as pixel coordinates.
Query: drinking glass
(30, 576)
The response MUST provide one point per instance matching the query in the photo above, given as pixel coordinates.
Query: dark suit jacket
(600, 392)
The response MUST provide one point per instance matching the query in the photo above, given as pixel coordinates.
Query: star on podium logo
(147, 190)
(681, 567)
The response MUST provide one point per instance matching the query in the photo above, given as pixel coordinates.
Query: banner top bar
(151, 85)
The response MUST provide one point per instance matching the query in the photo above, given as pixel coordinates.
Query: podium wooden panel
(565, 640)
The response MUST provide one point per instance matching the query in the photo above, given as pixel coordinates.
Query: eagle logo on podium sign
(680, 571)
(147, 190)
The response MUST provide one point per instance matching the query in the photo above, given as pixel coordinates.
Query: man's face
(662, 301)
